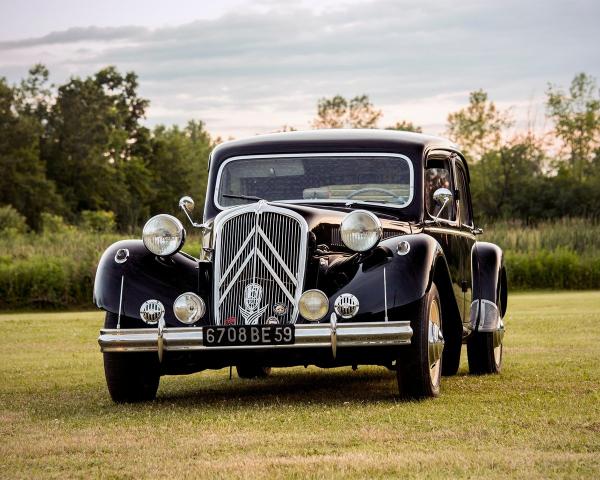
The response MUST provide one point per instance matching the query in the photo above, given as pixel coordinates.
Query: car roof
(340, 140)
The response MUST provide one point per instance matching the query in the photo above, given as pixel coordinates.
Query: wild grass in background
(563, 254)
(56, 269)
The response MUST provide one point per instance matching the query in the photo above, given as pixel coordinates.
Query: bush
(102, 221)
(11, 221)
(54, 223)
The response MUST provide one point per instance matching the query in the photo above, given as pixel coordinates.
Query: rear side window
(464, 199)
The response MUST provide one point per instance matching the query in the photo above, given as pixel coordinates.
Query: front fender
(489, 287)
(144, 276)
(407, 277)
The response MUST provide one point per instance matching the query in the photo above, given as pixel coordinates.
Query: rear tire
(131, 377)
(420, 365)
(483, 357)
(252, 371)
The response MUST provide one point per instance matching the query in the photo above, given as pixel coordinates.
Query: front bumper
(323, 335)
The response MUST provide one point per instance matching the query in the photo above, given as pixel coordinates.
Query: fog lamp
(151, 311)
(189, 308)
(313, 305)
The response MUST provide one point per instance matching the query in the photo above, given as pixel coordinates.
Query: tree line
(80, 151)
(81, 147)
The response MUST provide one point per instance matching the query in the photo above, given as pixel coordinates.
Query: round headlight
(163, 235)
(360, 230)
(189, 308)
(313, 305)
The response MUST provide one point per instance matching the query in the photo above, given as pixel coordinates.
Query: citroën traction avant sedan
(328, 248)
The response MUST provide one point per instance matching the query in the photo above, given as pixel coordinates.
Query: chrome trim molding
(120, 302)
(485, 316)
(411, 169)
(320, 335)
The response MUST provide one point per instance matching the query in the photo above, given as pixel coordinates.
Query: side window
(437, 175)
(464, 200)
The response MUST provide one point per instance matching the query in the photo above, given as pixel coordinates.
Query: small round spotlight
(313, 305)
(189, 308)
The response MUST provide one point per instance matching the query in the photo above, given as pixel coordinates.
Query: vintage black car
(328, 248)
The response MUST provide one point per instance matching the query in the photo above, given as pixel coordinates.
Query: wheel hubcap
(435, 342)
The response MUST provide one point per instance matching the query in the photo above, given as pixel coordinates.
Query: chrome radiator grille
(260, 255)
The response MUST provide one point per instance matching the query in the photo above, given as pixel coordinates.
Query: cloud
(77, 34)
(256, 69)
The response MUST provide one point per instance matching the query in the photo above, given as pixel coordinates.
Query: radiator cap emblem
(252, 298)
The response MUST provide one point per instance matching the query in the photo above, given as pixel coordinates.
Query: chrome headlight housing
(163, 235)
(361, 230)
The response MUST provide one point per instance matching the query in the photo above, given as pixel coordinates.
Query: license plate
(245, 335)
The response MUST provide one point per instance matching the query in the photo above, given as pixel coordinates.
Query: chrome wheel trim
(435, 343)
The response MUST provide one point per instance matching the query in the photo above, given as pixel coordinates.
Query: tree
(179, 164)
(576, 117)
(478, 127)
(95, 145)
(338, 112)
(23, 183)
(406, 127)
(503, 182)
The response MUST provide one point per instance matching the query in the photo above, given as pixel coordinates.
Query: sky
(246, 67)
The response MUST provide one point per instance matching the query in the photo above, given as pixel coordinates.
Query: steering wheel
(373, 189)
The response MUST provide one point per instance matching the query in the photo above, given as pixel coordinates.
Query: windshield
(373, 177)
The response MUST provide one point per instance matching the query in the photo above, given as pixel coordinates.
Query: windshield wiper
(242, 197)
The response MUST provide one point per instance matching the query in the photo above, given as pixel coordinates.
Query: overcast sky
(251, 66)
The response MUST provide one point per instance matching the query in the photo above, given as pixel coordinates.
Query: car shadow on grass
(334, 387)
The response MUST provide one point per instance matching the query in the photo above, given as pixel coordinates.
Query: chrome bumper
(324, 335)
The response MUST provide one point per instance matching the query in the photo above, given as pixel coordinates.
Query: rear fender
(143, 276)
(489, 287)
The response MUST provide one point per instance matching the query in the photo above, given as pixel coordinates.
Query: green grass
(539, 419)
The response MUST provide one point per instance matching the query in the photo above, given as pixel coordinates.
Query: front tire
(419, 369)
(131, 377)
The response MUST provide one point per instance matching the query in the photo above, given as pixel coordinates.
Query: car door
(465, 237)
(444, 227)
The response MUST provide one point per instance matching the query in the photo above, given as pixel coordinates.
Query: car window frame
(458, 165)
(406, 158)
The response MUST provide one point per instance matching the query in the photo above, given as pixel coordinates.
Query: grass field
(539, 419)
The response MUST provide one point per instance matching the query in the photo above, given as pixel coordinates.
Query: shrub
(54, 223)
(11, 221)
(102, 221)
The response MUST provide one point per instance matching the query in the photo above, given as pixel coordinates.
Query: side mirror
(441, 197)
(187, 204)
